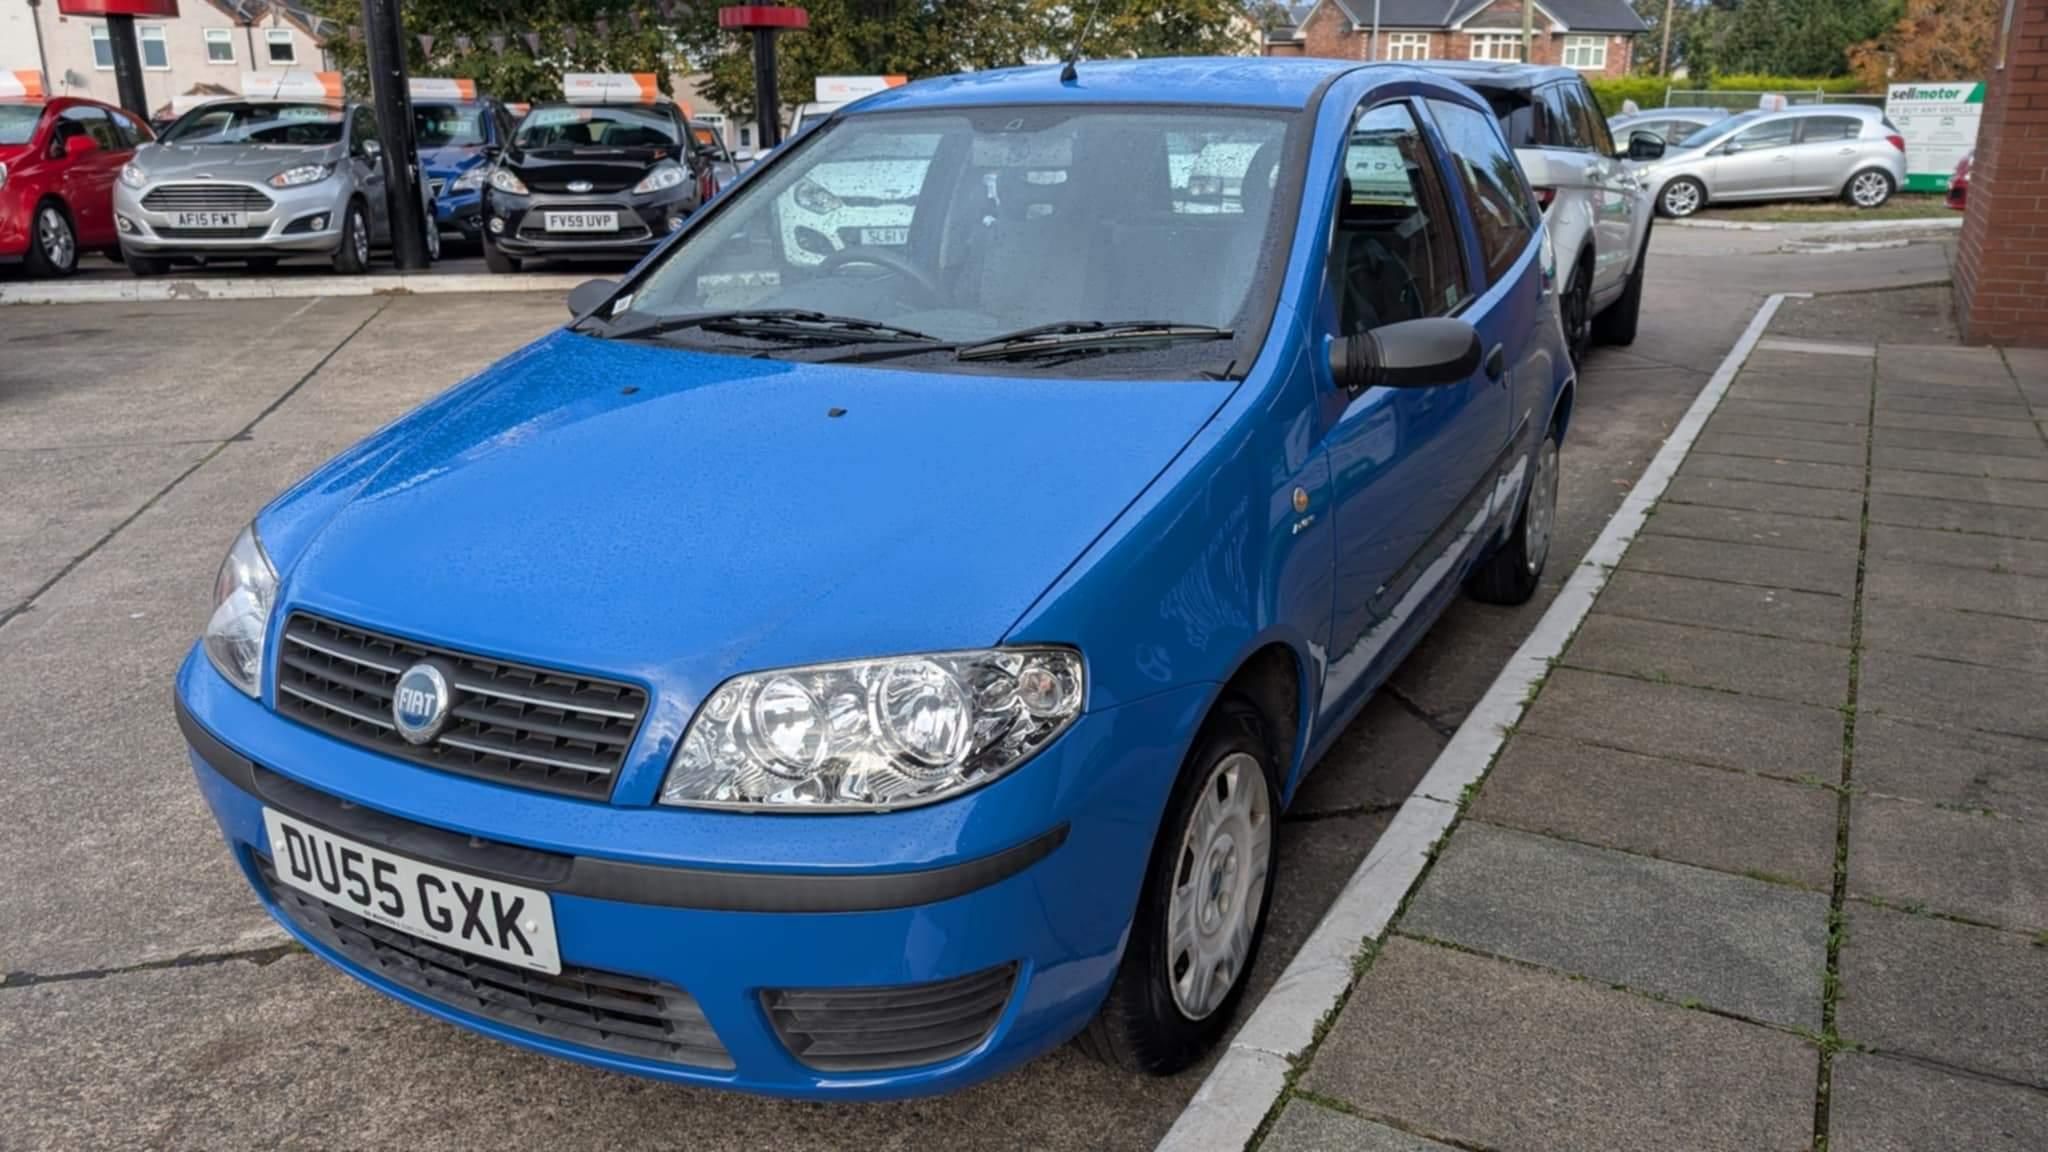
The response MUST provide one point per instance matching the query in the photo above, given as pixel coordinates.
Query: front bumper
(517, 224)
(460, 213)
(283, 227)
(1045, 908)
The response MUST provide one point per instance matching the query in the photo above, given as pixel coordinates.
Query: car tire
(1681, 198)
(352, 255)
(52, 242)
(1575, 309)
(1617, 325)
(433, 241)
(141, 265)
(1868, 189)
(1511, 575)
(1164, 1010)
(497, 261)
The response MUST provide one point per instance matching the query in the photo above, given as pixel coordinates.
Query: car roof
(1503, 75)
(1245, 81)
(1683, 113)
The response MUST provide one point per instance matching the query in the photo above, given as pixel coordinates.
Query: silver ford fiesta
(257, 181)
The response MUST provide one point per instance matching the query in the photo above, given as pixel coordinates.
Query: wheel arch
(1272, 679)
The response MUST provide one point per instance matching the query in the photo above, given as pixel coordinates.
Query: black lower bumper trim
(616, 880)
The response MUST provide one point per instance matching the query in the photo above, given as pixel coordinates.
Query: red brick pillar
(2001, 276)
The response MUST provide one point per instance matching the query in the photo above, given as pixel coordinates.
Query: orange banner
(25, 84)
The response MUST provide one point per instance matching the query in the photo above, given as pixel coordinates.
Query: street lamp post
(384, 36)
(35, 15)
(120, 17)
(764, 21)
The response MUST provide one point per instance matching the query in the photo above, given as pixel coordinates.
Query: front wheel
(145, 266)
(1618, 324)
(1202, 913)
(352, 255)
(1511, 575)
(1682, 197)
(1869, 188)
(52, 245)
(497, 261)
(1575, 309)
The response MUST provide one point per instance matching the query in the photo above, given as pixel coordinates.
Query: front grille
(606, 1011)
(508, 723)
(255, 233)
(597, 187)
(205, 198)
(877, 1029)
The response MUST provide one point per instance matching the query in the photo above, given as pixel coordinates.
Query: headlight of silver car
(132, 176)
(471, 180)
(303, 174)
(871, 734)
(660, 180)
(243, 595)
(508, 183)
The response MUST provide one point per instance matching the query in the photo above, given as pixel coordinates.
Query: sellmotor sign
(1939, 122)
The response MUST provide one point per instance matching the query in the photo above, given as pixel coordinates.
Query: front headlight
(303, 174)
(505, 181)
(132, 176)
(471, 180)
(871, 734)
(243, 595)
(813, 198)
(660, 180)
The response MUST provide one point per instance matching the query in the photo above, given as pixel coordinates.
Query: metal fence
(1742, 100)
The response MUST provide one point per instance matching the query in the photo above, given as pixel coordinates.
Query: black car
(593, 180)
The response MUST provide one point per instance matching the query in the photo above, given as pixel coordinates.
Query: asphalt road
(148, 1002)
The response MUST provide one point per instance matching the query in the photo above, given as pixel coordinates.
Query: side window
(1821, 129)
(1394, 251)
(1591, 126)
(1676, 131)
(1502, 206)
(83, 119)
(1561, 127)
(1770, 134)
(130, 132)
(362, 129)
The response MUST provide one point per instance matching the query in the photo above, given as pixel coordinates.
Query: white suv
(1598, 207)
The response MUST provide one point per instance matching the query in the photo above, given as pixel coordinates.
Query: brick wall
(2001, 273)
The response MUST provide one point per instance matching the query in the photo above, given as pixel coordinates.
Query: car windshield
(449, 125)
(238, 122)
(18, 122)
(972, 224)
(561, 126)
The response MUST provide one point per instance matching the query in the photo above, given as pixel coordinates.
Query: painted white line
(1830, 247)
(276, 288)
(1820, 227)
(1815, 347)
(1238, 1093)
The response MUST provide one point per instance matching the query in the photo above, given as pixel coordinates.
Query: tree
(1933, 40)
(1784, 37)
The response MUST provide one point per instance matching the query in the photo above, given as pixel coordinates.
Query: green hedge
(1648, 91)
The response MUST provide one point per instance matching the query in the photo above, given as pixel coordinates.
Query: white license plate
(885, 235)
(210, 219)
(581, 221)
(502, 922)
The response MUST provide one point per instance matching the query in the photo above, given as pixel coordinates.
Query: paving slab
(1778, 448)
(1998, 593)
(1939, 990)
(1802, 570)
(1687, 934)
(2029, 366)
(1727, 425)
(1973, 489)
(1952, 766)
(1849, 391)
(1961, 463)
(1743, 526)
(1848, 477)
(1749, 733)
(1960, 549)
(1712, 817)
(1784, 669)
(1983, 867)
(1985, 404)
(1988, 426)
(1930, 440)
(61, 501)
(1771, 365)
(1306, 1127)
(1854, 411)
(1760, 497)
(1495, 1055)
(1941, 363)
(1738, 607)
(1958, 516)
(1970, 637)
(1881, 1105)
(1945, 692)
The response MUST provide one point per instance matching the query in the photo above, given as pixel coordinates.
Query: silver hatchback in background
(1814, 152)
(1674, 126)
(259, 180)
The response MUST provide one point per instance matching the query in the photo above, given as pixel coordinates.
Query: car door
(365, 157)
(1825, 153)
(1406, 464)
(1755, 162)
(1612, 186)
(88, 179)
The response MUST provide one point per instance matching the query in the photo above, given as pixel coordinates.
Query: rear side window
(1818, 129)
(1502, 206)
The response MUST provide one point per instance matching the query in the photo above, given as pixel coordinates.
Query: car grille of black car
(508, 723)
(205, 198)
(606, 1011)
(876, 1029)
(255, 233)
(561, 187)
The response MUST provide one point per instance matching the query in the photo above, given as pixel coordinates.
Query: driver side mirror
(80, 145)
(1645, 146)
(373, 150)
(1729, 149)
(589, 295)
(1411, 354)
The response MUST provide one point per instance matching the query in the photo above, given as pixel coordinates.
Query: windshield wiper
(783, 323)
(1086, 335)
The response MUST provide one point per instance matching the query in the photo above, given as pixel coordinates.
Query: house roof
(1569, 15)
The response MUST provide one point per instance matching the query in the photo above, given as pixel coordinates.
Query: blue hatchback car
(852, 671)
(457, 138)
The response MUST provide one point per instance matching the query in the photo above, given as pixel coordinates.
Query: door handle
(1496, 363)
(1845, 152)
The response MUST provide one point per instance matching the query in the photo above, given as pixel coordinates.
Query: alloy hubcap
(362, 241)
(1869, 190)
(1681, 199)
(1219, 883)
(54, 232)
(1542, 512)
(1576, 324)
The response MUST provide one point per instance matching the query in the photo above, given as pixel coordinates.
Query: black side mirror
(1412, 354)
(1645, 146)
(589, 295)
(491, 151)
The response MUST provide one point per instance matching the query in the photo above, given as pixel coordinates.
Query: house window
(1496, 46)
(281, 50)
(1586, 53)
(102, 48)
(155, 56)
(220, 46)
(1407, 46)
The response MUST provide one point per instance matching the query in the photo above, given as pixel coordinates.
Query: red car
(1959, 184)
(58, 162)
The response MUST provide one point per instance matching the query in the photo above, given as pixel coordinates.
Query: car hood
(674, 517)
(450, 161)
(250, 162)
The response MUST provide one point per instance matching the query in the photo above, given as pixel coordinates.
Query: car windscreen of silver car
(299, 125)
(18, 122)
(966, 225)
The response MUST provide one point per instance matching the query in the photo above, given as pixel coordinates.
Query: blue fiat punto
(875, 641)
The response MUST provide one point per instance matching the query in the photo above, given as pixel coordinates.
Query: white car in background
(1594, 199)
